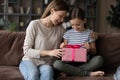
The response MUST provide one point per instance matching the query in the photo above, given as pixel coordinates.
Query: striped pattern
(75, 37)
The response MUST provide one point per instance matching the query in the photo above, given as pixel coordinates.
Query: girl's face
(57, 17)
(77, 24)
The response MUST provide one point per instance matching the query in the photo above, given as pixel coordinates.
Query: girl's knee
(99, 59)
(57, 64)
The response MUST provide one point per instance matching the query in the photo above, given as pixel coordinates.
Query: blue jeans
(32, 72)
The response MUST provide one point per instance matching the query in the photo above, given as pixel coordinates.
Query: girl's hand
(56, 52)
(91, 47)
(87, 45)
(62, 45)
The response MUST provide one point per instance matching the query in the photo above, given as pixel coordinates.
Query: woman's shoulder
(60, 28)
(89, 30)
(32, 25)
(34, 21)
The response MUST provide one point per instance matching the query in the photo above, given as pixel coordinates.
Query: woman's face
(57, 17)
(77, 24)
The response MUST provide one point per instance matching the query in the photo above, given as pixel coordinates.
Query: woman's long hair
(57, 5)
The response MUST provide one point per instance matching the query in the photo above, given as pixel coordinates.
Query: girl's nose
(75, 26)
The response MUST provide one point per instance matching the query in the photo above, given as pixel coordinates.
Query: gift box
(74, 53)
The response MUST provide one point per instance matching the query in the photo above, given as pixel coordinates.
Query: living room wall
(103, 25)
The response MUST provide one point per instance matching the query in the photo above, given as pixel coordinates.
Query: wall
(103, 25)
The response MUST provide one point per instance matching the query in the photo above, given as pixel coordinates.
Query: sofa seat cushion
(86, 78)
(108, 46)
(10, 73)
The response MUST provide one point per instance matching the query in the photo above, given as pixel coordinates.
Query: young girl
(80, 34)
(42, 40)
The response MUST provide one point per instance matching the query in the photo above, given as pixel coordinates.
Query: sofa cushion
(11, 50)
(10, 73)
(85, 78)
(108, 45)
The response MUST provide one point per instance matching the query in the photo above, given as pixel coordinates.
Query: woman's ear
(52, 10)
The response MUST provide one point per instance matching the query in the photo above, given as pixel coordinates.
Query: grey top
(38, 37)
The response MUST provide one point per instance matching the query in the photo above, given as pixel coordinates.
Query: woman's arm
(94, 35)
(56, 52)
(29, 41)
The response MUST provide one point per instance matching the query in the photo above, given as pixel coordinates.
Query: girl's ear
(52, 10)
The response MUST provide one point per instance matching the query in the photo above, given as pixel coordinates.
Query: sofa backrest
(108, 45)
(11, 44)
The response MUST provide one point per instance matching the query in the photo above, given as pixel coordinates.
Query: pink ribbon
(73, 50)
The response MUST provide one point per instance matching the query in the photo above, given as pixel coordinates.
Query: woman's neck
(47, 22)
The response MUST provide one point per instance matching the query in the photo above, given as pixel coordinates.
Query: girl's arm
(91, 47)
(63, 44)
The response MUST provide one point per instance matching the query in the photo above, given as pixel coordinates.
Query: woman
(42, 40)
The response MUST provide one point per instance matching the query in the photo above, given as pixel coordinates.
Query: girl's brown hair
(77, 13)
(57, 5)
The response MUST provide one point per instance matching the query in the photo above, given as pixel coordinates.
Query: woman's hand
(94, 35)
(56, 52)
